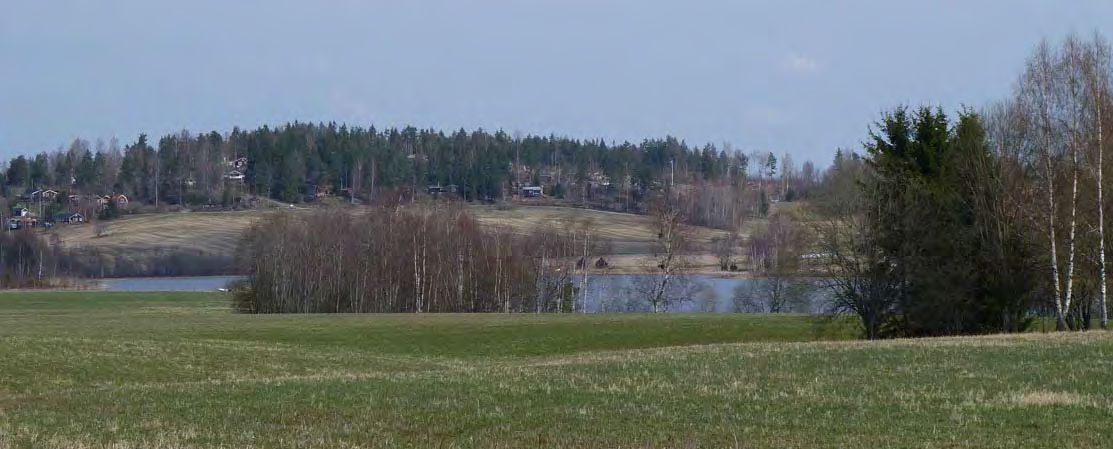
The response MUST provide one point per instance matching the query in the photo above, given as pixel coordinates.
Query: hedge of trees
(417, 258)
(27, 260)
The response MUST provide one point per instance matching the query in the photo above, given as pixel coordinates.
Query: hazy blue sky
(797, 76)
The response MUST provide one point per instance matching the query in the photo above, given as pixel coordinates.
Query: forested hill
(299, 161)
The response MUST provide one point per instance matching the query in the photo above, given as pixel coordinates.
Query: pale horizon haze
(803, 77)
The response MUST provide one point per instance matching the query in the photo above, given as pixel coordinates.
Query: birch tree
(1043, 93)
(1097, 70)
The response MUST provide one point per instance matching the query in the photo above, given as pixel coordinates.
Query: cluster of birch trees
(25, 260)
(1052, 138)
(415, 258)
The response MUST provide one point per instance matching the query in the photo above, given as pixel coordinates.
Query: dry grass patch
(1043, 398)
(210, 232)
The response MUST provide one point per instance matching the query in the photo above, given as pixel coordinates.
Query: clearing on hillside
(218, 233)
(210, 232)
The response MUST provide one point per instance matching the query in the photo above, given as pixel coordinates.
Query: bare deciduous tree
(858, 277)
(668, 286)
(775, 254)
(725, 248)
(1059, 99)
(1097, 70)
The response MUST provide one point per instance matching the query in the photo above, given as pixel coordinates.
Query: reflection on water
(629, 293)
(605, 294)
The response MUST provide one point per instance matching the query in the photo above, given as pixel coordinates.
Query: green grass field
(137, 370)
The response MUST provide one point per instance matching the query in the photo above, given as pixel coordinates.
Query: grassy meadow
(162, 370)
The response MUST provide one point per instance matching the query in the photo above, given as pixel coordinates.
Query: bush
(243, 297)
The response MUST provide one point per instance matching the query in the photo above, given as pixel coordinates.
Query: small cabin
(21, 222)
(532, 191)
(20, 212)
(75, 217)
(235, 175)
(438, 190)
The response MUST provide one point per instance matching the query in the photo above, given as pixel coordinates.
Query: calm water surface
(190, 284)
(612, 293)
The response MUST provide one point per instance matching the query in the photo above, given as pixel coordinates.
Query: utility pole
(40, 275)
(626, 185)
(157, 170)
(672, 170)
(672, 178)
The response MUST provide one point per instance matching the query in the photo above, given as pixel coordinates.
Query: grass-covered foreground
(178, 370)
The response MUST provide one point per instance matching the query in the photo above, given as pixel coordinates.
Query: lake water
(184, 284)
(621, 293)
(605, 294)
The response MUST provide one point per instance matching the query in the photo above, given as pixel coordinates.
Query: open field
(177, 370)
(211, 232)
(218, 233)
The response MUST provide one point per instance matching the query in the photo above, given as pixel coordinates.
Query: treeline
(417, 258)
(28, 261)
(23, 258)
(977, 224)
(298, 161)
(93, 262)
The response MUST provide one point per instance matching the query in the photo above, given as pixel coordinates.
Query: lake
(605, 294)
(182, 284)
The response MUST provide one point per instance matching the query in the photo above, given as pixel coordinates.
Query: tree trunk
(583, 277)
(1101, 227)
(1060, 313)
(1073, 224)
(417, 279)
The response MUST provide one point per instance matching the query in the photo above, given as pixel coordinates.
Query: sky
(790, 76)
